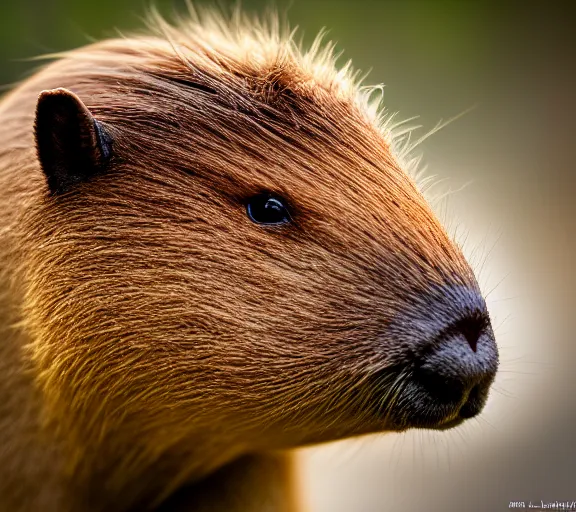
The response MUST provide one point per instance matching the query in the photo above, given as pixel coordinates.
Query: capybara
(211, 253)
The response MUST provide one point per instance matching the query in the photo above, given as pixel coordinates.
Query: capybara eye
(267, 209)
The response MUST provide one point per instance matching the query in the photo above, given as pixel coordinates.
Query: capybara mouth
(411, 401)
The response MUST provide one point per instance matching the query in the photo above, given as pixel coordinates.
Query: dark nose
(460, 363)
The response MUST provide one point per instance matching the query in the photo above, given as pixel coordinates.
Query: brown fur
(153, 334)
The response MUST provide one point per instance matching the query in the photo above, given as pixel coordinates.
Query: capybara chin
(211, 254)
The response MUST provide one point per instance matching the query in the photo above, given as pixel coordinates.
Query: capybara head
(225, 252)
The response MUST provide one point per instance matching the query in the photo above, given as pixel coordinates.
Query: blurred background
(509, 164)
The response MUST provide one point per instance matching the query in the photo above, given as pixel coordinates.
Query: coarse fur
(161, 351)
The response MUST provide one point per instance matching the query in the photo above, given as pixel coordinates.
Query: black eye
(267, 209)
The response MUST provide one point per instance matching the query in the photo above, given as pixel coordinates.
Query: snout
(456, 371)
(452, 364)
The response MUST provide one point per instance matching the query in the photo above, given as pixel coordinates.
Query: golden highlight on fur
(159, 350)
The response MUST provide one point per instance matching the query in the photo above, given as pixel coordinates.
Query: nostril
(471, 327)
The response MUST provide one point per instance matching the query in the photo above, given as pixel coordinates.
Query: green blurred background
(515, 62)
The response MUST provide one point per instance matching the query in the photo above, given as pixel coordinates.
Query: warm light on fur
(153, 333)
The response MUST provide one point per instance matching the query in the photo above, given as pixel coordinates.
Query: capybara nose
(460, 364)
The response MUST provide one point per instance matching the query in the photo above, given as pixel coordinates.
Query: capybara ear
(72, 146)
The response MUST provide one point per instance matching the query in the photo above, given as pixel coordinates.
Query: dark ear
(72, 146)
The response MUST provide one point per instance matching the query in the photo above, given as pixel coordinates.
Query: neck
(209, 477)
(258, 483)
